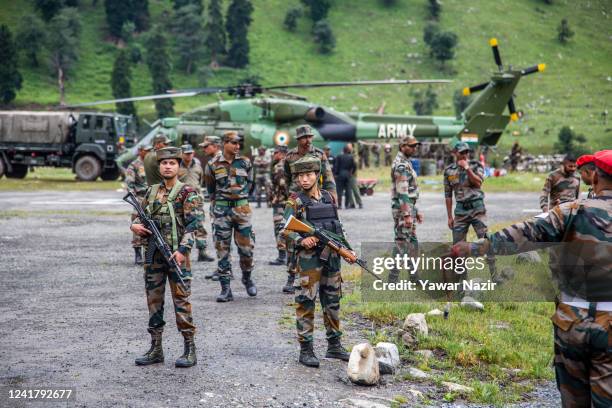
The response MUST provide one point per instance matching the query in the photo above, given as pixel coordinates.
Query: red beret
(585, 159)
(603, 160)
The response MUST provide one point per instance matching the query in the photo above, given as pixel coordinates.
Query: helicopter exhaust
(315, 114)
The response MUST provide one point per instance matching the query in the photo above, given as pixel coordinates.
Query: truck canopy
(35, 127)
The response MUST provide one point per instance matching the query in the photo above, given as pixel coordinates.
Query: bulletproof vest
(164, 215)
(322, 214)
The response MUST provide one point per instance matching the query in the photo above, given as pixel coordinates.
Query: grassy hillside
(374, 42)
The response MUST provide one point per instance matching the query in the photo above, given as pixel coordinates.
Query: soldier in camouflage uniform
(404, 195)
(464, 178)
(211, 147)
(151, 166)
(261, 166)
(561, 186)
(586, 168)
(192, 174)
(175, 207)
(229, 177)
(304, 135)
(583, 316)
(136, 184)
(318, 267)
(277, 196)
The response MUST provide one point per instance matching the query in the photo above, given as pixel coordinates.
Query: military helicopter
(268, 115)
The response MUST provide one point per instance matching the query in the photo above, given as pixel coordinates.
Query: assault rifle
(156, 240)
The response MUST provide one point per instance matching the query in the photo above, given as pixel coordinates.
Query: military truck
(87, 142)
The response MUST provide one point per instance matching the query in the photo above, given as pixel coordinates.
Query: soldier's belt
(232, 203)
(469, 205)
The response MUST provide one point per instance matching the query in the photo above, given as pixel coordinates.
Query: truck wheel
(19, 171)
(87, 168)
(110, 174)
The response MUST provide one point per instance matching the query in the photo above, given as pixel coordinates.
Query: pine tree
(189, 35)
(570, 142)
(177, 4)
(318, 9)
(30, 37)
(62, 44)
(117, 12)
(324, 37)
(292, 17)
(48, 8)
(564, 32)
(237, 25)
(10, 78)
(429, 32)
(139, 14)
(215, 32)
(443, 46)
(434, 8)
(158, 61)
(120, 83)
(425, 102)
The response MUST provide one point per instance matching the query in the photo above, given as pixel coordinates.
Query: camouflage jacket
(560, 187)
(586, 268)
(261, 164)
(135, 179)
(404, 188)
(228, 181)
(187, 213)
(326, 182)
(192, 176)
(279, 193)
(151, 167)
(456, 180)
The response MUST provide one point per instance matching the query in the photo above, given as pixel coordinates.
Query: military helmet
(303, 130)
(231, 136)
(161, 138)
(208, 140)
(169, 153)
(187, 148)
(462, 147)
(306, 164)
(145, 147)
(409, 140)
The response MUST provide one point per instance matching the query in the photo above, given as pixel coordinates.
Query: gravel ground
(73, 311)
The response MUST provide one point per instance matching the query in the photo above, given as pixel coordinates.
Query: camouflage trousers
(234, 221)
(405, 238)
(200, 233)
(155, 275)
(315, 279)
(278, 220)
(583, 356)
(477, 218)
(137, 240)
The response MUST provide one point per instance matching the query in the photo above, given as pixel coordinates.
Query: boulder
(361, 403)
(416, 373)
(362, 367)
(471, 303)
(507, 273)
(387, 355)
(528, 257)
(452, 387)
(416, 324)
(409, 340)
(435, 312)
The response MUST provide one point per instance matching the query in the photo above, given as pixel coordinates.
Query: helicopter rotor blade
(475, 88)
(132, 99)
(533, 69)
(512, 108)
(361, 83)
(494, 46)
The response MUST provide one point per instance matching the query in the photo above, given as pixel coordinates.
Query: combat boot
(248, 283)
(335, 350)
(188, 359)
(288, 288)
(281, 260)
(307, 355)
(155, 354)
(203, 256)
(138, 256)
(226, 291)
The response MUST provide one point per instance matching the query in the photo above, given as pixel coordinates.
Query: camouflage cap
(462, 147)
(145, 147)
(231, 136)
(160, 138)
(282, 149)
(409, 140)
(306, 164)
(187, 148)
(169, 153)
(208, 140)
(302, 131)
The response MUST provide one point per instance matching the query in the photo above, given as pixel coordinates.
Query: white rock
(415, 393)
(471, 303)
(528, 257)
(424, 353)
(415, 323)
(363, 366)
(361, 403)
(457, 387)
(388, 354)
(416, 373)
(435, 312)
